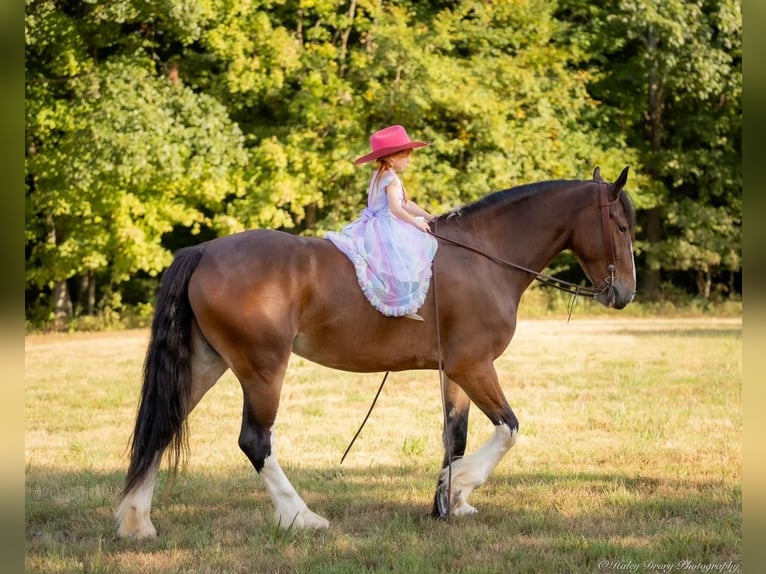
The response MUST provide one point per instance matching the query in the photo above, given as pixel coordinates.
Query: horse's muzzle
(616, 297)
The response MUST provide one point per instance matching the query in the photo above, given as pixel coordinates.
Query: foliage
(133, 155)
(672, 82)
(154, 125)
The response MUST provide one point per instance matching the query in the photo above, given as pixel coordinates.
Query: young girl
(390, 245)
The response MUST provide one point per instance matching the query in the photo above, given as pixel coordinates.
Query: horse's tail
(162, 408)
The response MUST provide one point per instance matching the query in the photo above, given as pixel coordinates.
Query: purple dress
(392, 257)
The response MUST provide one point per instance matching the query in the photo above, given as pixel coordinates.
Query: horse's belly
(350, 355)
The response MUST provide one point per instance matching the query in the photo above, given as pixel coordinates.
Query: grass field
(629, 460)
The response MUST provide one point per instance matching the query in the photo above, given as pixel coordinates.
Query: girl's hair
(383, 166)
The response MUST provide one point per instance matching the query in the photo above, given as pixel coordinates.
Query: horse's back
(256, 276)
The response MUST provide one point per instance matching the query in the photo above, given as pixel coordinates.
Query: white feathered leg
(470, 472)
(290, 511)
(132, 514)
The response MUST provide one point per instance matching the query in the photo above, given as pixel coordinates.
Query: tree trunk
(704, 283)
(86, 295)
(62, 306)
(651, 279)
(344, 41)
(312, 214)
(91, 292)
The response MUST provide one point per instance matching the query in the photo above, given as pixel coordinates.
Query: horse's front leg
(454, 436)
(470, 472)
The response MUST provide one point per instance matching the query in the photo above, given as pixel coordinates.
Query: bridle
(611, 258)
(577, 290)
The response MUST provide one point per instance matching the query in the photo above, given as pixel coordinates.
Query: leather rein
(548, 280)
(576, 290)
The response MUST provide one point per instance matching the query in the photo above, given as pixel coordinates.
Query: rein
(547, 280)
(605, 204)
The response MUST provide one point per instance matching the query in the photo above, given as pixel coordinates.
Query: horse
(247, 301)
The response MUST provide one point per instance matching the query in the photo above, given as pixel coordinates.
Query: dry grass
(630, 453)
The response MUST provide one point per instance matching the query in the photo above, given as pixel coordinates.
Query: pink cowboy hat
(387, 141)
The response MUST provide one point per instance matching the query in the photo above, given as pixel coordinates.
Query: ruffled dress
(392, 257)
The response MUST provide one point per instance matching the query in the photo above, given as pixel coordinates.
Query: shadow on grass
(540, 522)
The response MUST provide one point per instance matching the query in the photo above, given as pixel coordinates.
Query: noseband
(578, 290)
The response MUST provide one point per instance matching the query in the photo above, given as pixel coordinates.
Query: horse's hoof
(442, 502)
(136, 533)
(301, 520)
(133, 524)
(313, 520)
(464, 510)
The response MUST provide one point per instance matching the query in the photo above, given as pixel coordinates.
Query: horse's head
(603, 242)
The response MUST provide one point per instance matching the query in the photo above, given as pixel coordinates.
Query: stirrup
(413, 316)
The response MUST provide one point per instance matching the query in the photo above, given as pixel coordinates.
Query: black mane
(520, 192)
(510, 195)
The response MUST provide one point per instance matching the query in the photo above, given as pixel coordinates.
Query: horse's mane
(520, 192)
(508, 196)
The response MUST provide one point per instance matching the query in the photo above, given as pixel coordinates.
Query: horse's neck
(529, 232)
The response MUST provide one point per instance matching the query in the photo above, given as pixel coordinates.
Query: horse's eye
(622, 228)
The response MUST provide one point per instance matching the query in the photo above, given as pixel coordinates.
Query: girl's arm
(400, 211)
(414, 209)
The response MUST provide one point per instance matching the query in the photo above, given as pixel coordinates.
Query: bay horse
(247, 301)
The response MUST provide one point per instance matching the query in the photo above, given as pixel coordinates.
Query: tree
(672, 81)
(153, 125)
(117, 154)
(488, 84)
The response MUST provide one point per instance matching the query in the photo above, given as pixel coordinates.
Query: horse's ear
(619, 184)
(597, 175)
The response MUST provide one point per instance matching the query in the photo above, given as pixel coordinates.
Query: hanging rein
(573, 288)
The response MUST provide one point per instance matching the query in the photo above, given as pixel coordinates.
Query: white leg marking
(289, 508)
(132, 514)
(470, 472)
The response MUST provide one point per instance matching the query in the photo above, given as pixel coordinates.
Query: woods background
(155, 125)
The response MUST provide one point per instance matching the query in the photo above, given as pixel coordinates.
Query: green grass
(630, 452)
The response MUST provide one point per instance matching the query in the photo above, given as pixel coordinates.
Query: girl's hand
(421, 224)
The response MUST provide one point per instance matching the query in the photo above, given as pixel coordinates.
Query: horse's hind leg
(289, 508)
(261, 387)
(133, 513)
(470, 472)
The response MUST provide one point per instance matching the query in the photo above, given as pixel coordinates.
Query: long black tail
(161, 418)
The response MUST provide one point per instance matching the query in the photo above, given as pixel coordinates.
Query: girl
(390, 245)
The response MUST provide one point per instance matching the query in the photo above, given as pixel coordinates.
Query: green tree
(148, 123)
(117, 155)
(488, 83)
(672, 82)
(492, 83)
